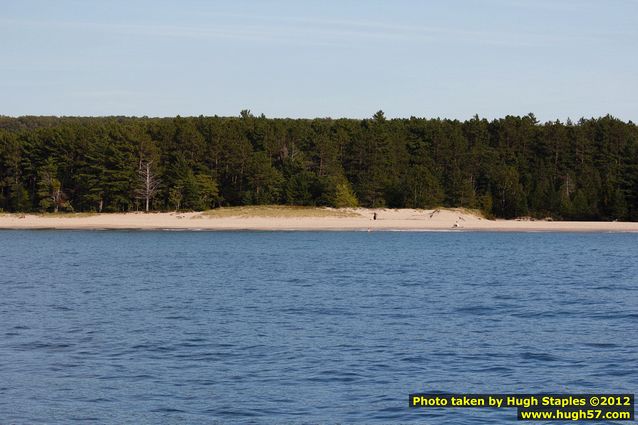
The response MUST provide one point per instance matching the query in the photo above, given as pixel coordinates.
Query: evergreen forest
(509, 167)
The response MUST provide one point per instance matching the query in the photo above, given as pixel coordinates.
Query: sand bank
(287, 218)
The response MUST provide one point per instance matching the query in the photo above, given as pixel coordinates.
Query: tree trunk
(148, 183)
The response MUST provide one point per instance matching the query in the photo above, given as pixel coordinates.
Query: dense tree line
(507, 167)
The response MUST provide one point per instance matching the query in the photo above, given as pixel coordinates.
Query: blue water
(307, 327)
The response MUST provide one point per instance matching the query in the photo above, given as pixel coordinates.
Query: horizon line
(263, 116)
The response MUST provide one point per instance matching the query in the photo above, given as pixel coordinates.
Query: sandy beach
(292, 218)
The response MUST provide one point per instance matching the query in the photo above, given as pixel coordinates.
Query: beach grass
(51, 214)
(279, 211)
(468, 211)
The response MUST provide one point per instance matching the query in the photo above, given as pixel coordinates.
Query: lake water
(307, 327)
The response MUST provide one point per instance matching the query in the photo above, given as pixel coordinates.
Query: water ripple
(307, 327)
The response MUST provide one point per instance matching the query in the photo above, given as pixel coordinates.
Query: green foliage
(508, 167)
(265, 181)
(194, 192)
(206, 192)
(175, 195)
(344, 197)
(18, 199)
(50, 193)
(486, 204)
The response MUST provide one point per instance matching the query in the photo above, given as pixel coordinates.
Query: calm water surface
(307, 327)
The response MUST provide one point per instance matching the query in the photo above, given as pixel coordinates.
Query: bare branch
(148, 183)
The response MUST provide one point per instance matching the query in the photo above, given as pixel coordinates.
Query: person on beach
(374, 216)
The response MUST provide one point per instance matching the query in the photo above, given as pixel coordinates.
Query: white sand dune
(283, 218)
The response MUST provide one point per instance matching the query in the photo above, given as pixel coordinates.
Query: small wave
(168, 410)
(476, 309)
(543, 357)
(600, 345)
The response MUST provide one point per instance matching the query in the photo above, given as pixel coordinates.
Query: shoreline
(304, 219)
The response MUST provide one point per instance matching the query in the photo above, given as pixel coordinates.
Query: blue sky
(345, 58)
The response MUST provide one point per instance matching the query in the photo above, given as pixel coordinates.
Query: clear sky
(310, 58)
